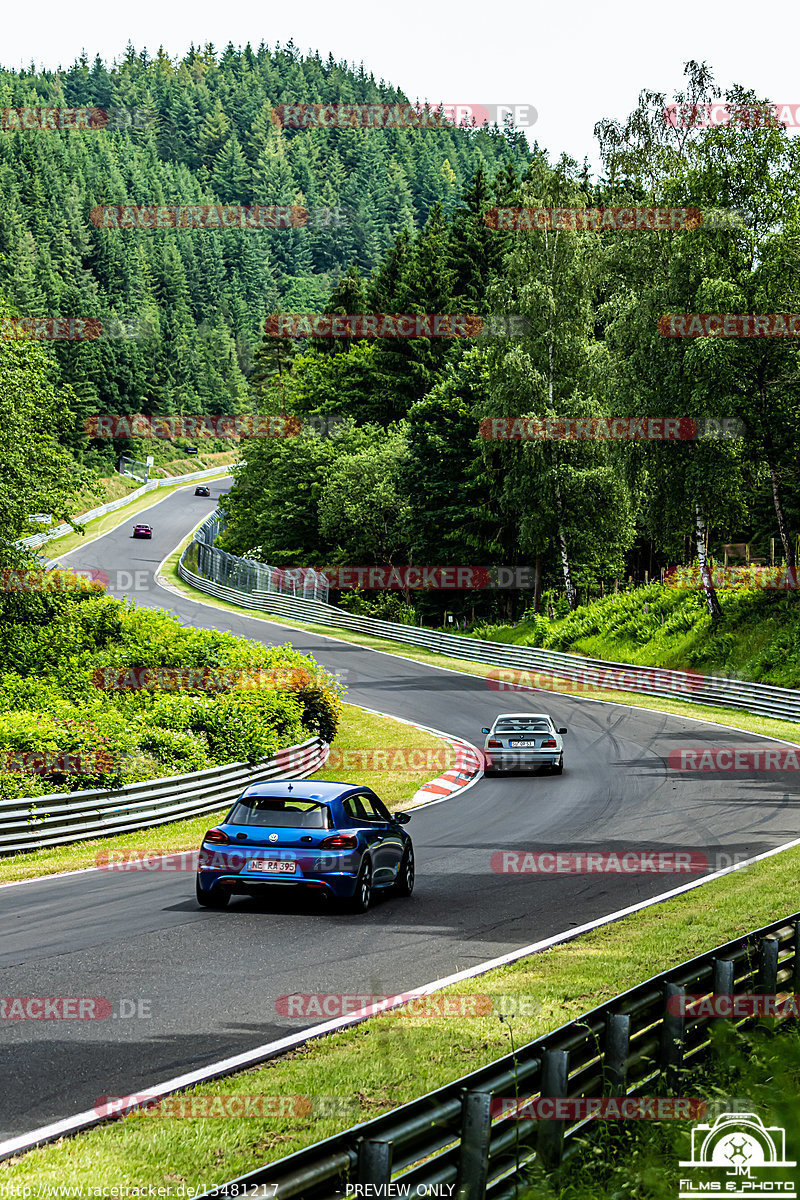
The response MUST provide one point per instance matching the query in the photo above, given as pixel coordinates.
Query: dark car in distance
(202, 491)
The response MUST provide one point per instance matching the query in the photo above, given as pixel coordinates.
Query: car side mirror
(562, 731)
(484, 731)
(402, 818)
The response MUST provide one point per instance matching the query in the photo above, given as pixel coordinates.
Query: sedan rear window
(522, 727)
(284, 814)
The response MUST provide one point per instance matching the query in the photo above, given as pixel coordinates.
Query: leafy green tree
(565, 493)
(39, 475)
(362, 510)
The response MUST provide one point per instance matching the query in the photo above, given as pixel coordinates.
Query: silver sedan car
(524, 741)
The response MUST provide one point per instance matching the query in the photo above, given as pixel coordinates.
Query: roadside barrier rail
(53, 820)
(636, 1044)
(582, 675)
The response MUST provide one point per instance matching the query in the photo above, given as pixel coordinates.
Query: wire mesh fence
(245, 575)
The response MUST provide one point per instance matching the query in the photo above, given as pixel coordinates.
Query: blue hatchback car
(333, 838)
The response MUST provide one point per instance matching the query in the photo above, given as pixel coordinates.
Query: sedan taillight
(497, 745)
(340, 841)
(217, 837)
(550, 743)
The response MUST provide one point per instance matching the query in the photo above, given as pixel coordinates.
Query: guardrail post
(796, 962)
(615, 1055)
(550, 1134)
(673, 1033)
(473, 1163)
(374, 1161)
(768, 967)
(721, 985)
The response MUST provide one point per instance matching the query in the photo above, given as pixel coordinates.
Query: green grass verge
(358, 730)
(393, 1057)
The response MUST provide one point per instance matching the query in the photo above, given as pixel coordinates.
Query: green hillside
(199, 131)
(758, 637)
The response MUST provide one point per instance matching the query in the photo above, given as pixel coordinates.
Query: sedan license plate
(527, 745)
(276, 866)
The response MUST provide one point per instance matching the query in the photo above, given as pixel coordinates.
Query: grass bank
(757, 639)
(395, 1057)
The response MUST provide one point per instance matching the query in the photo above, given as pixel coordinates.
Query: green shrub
(176, 753)
(251, 699)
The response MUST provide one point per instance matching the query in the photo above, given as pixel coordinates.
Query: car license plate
(528, 745)
(275, 866)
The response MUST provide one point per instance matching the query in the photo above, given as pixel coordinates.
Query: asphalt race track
(210, 980)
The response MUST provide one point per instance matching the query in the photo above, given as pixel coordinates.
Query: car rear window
(286, 814)
(520, 726)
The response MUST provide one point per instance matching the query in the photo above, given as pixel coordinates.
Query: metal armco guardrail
(759, 698)
(39, 539)
(632, 1045)
(53, 820)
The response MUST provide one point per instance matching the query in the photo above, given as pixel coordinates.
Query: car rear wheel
(362, 897)
(215, 897)
(558, 768)
(404, 884)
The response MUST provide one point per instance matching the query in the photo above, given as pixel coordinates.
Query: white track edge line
(271, 1049)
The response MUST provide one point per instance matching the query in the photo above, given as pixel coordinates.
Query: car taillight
(498, 745)
(217, 837)
(550, 743)
(340, 841)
